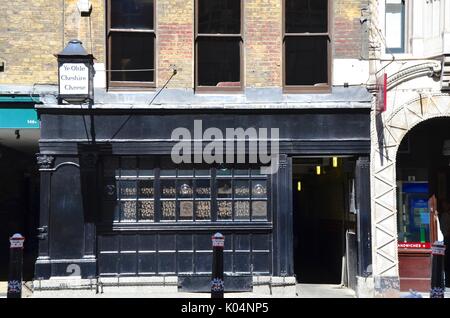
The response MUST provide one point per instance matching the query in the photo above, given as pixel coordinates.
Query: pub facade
(130, 193)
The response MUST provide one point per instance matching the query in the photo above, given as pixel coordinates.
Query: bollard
(217, 284)
(437, 270)
(15, 266)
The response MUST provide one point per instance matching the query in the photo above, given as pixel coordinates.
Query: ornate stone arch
(388, 130)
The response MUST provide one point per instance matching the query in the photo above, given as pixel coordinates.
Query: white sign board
(73, 79)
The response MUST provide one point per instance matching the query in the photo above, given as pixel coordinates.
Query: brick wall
(175, 36)
(347, 29)
(262, 39)
(31, 31)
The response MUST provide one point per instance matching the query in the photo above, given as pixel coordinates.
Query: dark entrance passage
(19, 207)
(320, 205)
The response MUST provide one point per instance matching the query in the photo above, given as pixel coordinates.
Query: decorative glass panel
(224, 188)
(146, 210)
(241, 210)
(128, 211)
(259, 189)
(259, 210)
(168, 209)
(224, 210)
(203, 210)
(185, 189)
(146, 189)
(127, 189)
(168, 189)
(203, 188)
(186, 210)
(241, 189)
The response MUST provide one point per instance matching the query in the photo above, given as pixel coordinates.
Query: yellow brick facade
(31, 31)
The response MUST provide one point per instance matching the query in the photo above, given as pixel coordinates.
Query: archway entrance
(423, 186)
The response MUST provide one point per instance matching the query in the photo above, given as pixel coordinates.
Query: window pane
(224, 189)
(185, 189)
(132, 51)
(219, 62)
(306, 60)
(259, 210)
(168, 189)
(146, 189)
(225, 210)
(219, 16)
(202, 188)
(168, 210)
(136, 14)
(186, 210)
(128, 211)
(395, 28)
(241, 210)
(146, 211)
(241, 189)
(127, 189)
(259, 189)
(306, 16)
(203, 210)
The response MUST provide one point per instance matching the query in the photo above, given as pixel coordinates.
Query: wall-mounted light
(17, 133)
(299, 186)
(335, 162)
(318, 170)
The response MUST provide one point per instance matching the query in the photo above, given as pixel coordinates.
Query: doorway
(321, 202)
(423, 187)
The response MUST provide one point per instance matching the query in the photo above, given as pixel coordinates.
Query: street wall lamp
(75, 74)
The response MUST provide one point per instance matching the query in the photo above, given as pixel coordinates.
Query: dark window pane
(137, 14)
(306, 16)
(132, 51)
(306, 60)
(219, 16)
(219, 62)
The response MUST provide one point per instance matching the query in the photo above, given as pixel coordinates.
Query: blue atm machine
(414, 219)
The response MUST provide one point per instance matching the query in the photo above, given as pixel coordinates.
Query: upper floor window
(218, 45)
(395, 26)
(307, 45)
(131, 43)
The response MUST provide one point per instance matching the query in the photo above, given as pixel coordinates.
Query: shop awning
(18, 118)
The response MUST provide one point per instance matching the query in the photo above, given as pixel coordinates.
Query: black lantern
(75, 73)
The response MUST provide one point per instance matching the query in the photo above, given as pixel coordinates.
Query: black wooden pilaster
(362, 183)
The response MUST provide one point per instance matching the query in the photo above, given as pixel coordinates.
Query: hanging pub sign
(381, 93)
(76, 73)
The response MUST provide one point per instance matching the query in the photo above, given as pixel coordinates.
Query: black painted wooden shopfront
(123, 209)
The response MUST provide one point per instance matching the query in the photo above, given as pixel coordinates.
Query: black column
(362, 187)
(45, 164)
(283, 264)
